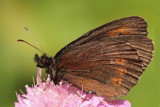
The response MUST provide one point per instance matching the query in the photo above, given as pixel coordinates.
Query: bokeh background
(55, 23)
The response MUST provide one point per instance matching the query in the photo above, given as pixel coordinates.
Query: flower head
(47, 94)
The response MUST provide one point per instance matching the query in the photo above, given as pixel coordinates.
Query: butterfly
(107, 61)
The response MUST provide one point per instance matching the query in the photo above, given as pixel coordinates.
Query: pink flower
(46, 94)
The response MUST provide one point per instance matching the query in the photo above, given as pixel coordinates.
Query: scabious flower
(46, 94)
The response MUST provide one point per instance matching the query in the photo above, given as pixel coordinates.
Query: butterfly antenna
(20, 40)
(30, 33)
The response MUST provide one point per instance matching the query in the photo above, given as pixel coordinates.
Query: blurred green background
(55, 23)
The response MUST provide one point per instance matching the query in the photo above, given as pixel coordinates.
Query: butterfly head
(43, 61)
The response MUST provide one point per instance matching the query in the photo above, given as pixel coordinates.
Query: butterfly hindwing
(105, 65)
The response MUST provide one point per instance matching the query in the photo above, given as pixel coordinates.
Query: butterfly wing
(109, 59)
(126, 26)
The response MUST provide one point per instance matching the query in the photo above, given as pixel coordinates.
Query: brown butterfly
(107, 61)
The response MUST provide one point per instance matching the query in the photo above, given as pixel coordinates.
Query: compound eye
(36, 58)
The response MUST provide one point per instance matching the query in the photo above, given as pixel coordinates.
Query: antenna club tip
(20, 40)
(25, 28)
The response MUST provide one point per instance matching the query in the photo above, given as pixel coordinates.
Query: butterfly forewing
(107, 60)
(126, 26)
